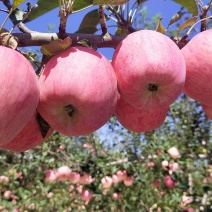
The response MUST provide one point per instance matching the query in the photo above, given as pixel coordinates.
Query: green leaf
(89, 22)
(160, 27)
(16, 3)
(17, 16)
(175, 18)
(44, 6)
(107, 2)
(190, 5)
(189, 22)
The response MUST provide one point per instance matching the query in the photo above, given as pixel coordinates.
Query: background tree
(112, 169)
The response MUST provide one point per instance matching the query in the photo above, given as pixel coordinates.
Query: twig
(65, 11)
(102, 19)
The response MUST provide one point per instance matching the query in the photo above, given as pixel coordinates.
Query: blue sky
(166, 8)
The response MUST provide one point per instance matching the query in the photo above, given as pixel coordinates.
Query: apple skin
(29, 137)
(19, 93)
(197, 54)
(78, 91)
(138, 120)
(169, 182)
(150, 70)
(207, 110)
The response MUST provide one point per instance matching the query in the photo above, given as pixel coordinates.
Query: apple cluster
(79, 89)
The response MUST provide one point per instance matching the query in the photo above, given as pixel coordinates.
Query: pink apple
(169, 182)
(106, 182)
(51, 175)
(7, 194)
(78, 91)
(165, 164)
(86, 179)
(19, 93)
(128, 181)
(86, 195)
(121, 175)
(63, 173)
(174, 152)
(207, 109)
(117, 196)
(197, 54)
(74, 177)
(139, 120)
(29, 137)
(4, 180)
(150, 70)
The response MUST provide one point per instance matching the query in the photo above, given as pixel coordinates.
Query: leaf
(44, 6)
(86, 43)
(190, 5)
(17, 16)
(188, 23)
(160, 27)
(6, 39)
(89, 22)
(43, 125)
(16, 3)
(56, 46)
(175, 18)
(107, 2)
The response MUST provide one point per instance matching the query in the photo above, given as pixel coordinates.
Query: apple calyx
(70, 110)
(43, 125)
(153, 87)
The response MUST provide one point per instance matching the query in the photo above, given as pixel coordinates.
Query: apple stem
(70, 109)
(153, 87)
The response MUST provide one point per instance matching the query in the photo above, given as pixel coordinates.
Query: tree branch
(39, 39)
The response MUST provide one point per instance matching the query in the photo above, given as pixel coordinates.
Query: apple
(138, 120)
(78, 91)
(207, 109)
(174, 152)
(19, 93)
(150, 70)
(29, 137)
(197, 54)
(169, 182)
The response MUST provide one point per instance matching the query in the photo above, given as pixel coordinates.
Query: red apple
(139, 120)
(197, 54)
(207, 109)
(150, 70)
(29, 137)
(169, 182)
(78, 91)
(19, 93)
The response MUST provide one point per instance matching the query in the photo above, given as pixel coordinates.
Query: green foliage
(44, 6)
(141, 155)
(191, 5)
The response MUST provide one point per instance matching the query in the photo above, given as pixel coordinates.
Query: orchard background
(112, 169)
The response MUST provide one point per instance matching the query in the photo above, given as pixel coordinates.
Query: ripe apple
(207, 110)
(169, 182)
(19, 93)
(78, 91)
(197, 54)
(139, 120)
(29, 137)
(150, 70)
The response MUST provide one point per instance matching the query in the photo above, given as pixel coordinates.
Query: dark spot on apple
(153, 87)
(70, 109)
